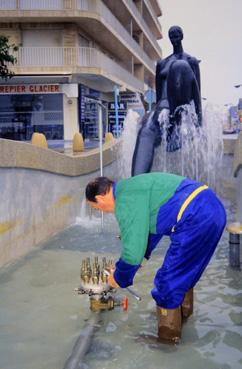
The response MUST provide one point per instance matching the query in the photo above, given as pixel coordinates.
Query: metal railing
(135, 12)
(8, 4)
(53, 57)
(32, 4)
(94, 6)
(40, 56)
(41, 4)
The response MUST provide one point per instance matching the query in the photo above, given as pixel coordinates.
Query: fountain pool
(41, 316)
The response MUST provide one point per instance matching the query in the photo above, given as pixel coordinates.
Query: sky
(213, 34)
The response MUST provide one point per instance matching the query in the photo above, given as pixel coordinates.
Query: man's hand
(111, 280)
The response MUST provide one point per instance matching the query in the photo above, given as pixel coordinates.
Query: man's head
(99, 194)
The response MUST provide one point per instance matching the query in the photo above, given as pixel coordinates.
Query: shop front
(25, 109)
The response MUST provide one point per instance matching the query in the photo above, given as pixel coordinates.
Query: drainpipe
(83, 343)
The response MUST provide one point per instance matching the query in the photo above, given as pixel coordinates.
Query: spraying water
(129, 134)
(87, 219)
(201, 149)
(91, 219)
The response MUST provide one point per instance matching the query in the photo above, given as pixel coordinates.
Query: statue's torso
(164, 69)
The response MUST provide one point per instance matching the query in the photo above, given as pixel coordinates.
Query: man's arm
(132, 212)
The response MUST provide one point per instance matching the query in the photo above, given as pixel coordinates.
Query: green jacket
(138, 200)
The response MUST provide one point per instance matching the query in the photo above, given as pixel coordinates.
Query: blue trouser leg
(192, 246)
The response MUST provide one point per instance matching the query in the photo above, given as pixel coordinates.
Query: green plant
(6, 57)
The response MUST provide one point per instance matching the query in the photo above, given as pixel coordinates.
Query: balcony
(156, 6)
(143, 25)
(90, 14)
(70, 60)
(153, 15)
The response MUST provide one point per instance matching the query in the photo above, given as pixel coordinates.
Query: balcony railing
(42, 56)
(42, 5)
(68, 57)
(8, 4)
(32, 4)
(93, 6)
(133, 8)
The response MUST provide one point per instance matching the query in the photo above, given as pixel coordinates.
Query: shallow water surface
(41, 317)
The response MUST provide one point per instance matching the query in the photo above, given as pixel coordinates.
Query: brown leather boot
(187, 305)
(169, 325)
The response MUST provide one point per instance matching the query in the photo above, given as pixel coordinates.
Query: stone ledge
(238, 155)
(17, 154)
(229, 145)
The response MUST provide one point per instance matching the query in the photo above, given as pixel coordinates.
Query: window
(23, 114)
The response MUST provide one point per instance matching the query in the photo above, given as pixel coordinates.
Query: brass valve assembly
(94, 283)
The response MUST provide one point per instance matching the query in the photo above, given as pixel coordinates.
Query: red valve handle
(125, 303)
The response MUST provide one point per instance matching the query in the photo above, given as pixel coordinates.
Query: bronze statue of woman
(177, 84)
(178, 77)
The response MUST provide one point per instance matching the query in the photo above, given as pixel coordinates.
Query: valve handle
(125, 303)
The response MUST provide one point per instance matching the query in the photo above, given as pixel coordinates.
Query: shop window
(23, 114)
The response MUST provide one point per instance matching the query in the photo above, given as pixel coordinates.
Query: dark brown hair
(99, 186)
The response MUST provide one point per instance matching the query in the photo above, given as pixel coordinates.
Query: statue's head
(175, 35)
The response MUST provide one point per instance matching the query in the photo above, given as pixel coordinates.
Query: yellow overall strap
(187, 202)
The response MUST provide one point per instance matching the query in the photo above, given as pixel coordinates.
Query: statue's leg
(148, 137)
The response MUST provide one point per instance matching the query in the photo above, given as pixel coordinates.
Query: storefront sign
(30, 89)
(121, 106)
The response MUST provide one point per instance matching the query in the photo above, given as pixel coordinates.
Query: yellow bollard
(39, 139)
(78, 143)
(108, 137)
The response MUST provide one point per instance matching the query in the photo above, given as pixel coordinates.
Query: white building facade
(73, 54)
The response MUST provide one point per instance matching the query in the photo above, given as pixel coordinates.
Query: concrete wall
(13, 34)
(35, 205)
(42, 37)
(41, 192)
(15, 154)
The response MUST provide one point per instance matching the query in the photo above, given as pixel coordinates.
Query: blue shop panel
(122, 111)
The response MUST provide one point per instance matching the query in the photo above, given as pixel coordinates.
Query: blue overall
(193, 242)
